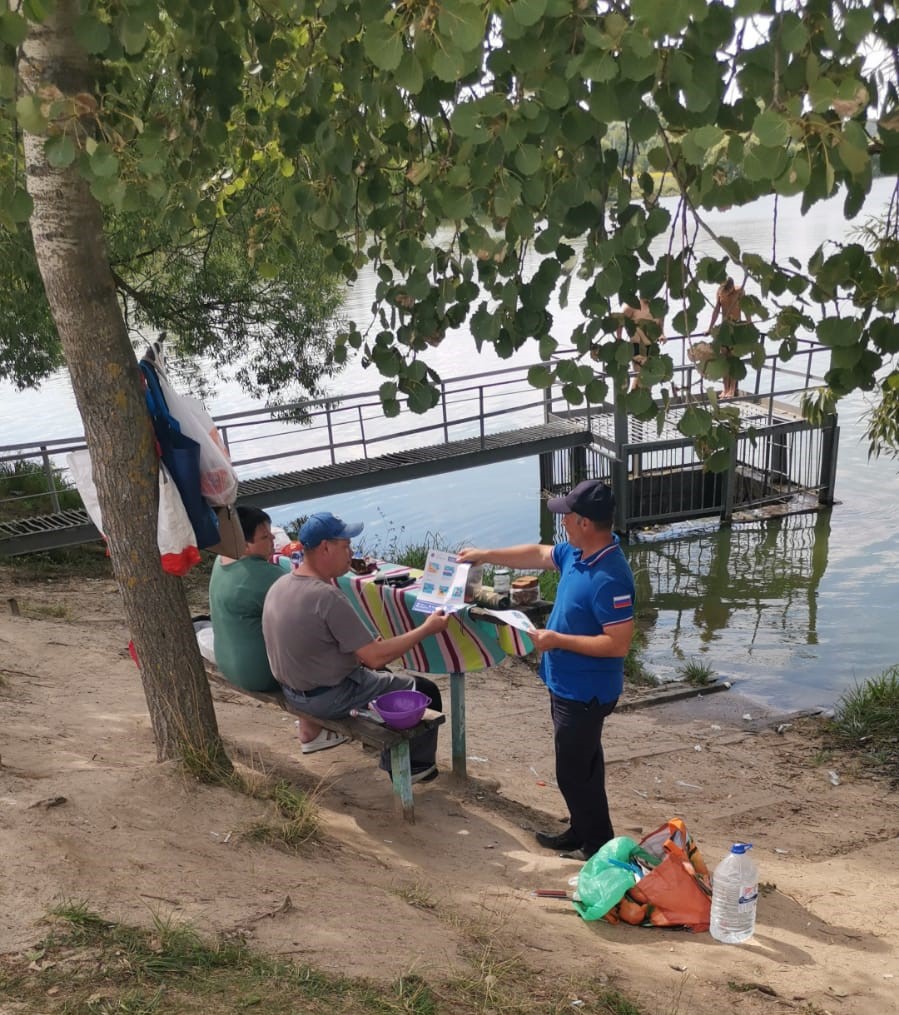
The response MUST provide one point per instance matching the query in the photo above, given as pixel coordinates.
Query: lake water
(794, 611)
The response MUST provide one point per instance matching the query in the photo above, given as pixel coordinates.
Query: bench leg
(401, 773)
(457, 706)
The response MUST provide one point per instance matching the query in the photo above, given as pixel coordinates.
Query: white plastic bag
(218, 480)
(174, 532)
(79, 463)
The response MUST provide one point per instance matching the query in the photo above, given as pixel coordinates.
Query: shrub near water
(867, 718)
(23, 491)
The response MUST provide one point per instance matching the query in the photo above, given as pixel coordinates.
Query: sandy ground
(87, 814)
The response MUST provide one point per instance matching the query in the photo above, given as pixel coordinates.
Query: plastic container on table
(735, 892)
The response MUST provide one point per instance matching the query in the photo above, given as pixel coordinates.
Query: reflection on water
(768, 573)
(749, 600)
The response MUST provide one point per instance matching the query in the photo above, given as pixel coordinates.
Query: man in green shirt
(237, 591)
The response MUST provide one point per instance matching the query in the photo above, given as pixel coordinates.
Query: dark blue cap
(591, 499)
(323, 525)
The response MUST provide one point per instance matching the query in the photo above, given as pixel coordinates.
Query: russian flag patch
(621, 602)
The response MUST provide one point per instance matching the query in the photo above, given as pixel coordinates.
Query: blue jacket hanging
(181, 455)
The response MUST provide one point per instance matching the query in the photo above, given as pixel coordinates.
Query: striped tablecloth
(469, 643)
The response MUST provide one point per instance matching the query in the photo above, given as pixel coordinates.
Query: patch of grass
(89, 560)
(866, 719)
(297, 817)
(635, 672)
(697, 673)
(25, 490)
(615, 1003)
(46, 611)
(417, 895)
(88, 964)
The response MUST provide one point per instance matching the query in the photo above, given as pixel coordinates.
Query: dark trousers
(581, 767)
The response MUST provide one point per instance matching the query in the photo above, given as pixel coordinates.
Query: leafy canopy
(445, 141)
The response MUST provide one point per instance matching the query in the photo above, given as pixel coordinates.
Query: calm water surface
(795, 611)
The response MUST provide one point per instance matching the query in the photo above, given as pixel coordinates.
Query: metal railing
(332, 430)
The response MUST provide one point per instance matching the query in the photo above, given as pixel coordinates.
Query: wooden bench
(373, 735)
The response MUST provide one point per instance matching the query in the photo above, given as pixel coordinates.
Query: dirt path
(86, 814)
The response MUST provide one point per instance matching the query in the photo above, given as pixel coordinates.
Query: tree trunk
(67, 227)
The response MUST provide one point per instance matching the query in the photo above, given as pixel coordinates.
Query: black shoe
(564, 840)
(581, 854)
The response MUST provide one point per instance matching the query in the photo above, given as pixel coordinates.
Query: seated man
(237, 590)
(327, 664)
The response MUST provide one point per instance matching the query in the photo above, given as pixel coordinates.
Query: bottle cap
(740, 847)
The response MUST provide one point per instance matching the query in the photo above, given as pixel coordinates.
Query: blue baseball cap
(323, 525)
(591, 499)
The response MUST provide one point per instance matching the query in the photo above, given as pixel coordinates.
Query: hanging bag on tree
(181, 455)
(174, 533)
(218, 480)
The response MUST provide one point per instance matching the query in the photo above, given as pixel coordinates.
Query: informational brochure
(512, 618)
(443, 584)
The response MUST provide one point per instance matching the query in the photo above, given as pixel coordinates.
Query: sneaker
(564, 840)
(427, 774)
(325, 739)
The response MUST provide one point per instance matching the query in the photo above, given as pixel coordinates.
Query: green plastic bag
(600, 884)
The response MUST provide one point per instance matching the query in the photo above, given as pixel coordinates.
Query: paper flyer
(443, 584)
(512, 618)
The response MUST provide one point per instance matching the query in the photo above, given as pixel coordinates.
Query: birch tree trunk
(67, 227)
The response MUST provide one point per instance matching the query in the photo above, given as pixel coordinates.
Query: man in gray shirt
(322, 654)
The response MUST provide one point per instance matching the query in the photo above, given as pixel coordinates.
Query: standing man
(323, 656)
(728, 305)
(638, 338)
(583, 646)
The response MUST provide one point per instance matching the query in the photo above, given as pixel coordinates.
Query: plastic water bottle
(735, 892)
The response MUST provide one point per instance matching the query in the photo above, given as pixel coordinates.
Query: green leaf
(103, 162)
(838, 331)
(383, 45)
(464, 22)
(449, 64)
(527, 159)
(853, 147)
(540, 377)
(60, 151)
(695, 422)
(409, 74)
(638, 401)
(596, 391)
(771, 129)
(92, 33)
(28, 113)
(718, 461)
(555, 93)
(20, 206)
(13, 28)
(527, 12)
(793, 33)
(133, 33)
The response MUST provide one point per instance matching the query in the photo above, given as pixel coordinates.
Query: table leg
(457, 705)
(401, 770)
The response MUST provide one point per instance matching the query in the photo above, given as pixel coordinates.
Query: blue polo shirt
(594, 593)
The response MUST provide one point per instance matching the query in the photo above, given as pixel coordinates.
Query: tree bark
(67, 228)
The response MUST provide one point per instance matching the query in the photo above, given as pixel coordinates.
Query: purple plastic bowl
(401, 709)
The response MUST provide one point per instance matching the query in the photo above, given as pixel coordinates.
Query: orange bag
(676, 893)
